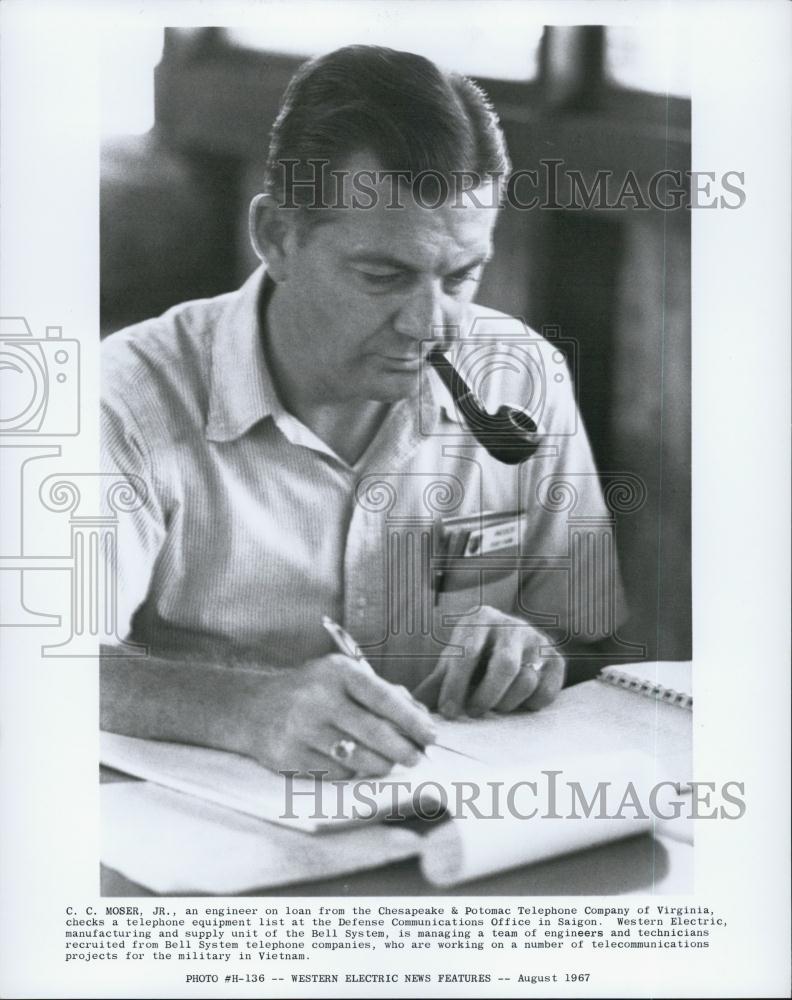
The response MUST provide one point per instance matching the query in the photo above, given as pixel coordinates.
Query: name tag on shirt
(473, 552)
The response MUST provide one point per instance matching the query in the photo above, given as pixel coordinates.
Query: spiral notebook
(670, 682)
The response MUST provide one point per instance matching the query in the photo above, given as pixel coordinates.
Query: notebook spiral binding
(648, 689)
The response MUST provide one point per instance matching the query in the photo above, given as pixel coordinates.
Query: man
(291, 448)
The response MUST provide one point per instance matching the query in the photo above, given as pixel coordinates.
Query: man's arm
(284, 718)
(163, 699)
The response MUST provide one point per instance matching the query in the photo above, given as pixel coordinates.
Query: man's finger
(364, 760)
(522, 687)
(458, 671)
(407, 693)
(380, 736)
(551, 680)
(503, 667)
(316, 762)
(428, 690)
(383, 699)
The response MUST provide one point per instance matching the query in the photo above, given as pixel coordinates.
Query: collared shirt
(251, 528)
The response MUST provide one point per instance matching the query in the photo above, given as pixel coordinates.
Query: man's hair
(397, 106)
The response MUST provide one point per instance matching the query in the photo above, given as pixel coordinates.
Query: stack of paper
(236, 825)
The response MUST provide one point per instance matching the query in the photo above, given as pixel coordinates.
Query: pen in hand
(347, 645)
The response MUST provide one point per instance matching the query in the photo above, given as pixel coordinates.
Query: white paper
(588, 719)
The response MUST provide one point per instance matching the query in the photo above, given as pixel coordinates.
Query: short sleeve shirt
(250, 528)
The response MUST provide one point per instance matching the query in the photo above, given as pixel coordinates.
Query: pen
(347, 645)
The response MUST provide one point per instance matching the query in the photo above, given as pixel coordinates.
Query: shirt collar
(241, 391)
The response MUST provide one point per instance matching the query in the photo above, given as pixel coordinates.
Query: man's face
(364, 289)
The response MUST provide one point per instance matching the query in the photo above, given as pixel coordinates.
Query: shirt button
(362, 601)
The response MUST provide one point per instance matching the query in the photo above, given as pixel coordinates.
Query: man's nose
(425, 313)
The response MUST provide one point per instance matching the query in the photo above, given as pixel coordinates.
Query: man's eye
(380, 278)
(455, 281)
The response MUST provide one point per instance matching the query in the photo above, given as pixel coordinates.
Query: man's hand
(295, 718)
(513, 673)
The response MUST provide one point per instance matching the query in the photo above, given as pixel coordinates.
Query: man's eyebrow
(362, 257)
(477, 261)
(384, 260)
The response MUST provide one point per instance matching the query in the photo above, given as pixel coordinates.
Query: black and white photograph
(447, 410)
(394, 496)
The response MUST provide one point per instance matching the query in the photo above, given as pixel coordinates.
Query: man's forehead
(376, 212)
(420, 242)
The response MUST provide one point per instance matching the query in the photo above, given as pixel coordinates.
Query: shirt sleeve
(133, 504)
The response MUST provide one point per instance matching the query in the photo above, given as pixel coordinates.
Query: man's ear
(273, 236)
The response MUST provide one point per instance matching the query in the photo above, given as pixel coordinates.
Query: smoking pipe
(509, 435)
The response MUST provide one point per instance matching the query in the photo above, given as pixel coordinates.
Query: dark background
(174, 227)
